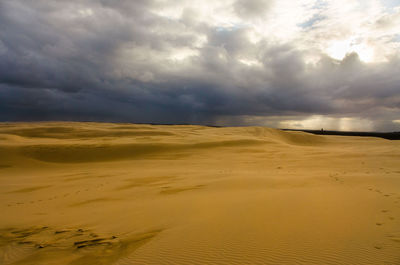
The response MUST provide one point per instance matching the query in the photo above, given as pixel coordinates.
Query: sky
(305, 64)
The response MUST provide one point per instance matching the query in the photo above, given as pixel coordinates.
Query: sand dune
(99, 193)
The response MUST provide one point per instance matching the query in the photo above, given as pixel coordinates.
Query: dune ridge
(91, 151)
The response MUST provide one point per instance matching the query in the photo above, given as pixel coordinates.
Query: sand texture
(99, 193)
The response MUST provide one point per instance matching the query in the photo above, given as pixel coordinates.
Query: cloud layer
(331, 64)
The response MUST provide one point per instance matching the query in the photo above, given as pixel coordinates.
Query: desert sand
(99, 193)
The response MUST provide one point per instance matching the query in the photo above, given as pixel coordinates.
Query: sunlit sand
(98, 193)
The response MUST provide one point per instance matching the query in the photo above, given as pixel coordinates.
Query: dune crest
(78, 144)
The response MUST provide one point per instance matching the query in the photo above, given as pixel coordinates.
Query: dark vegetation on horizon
(385, 135)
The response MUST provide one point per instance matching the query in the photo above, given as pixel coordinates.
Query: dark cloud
(114, 61)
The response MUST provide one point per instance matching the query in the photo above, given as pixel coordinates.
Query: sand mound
(288, 137)
(132, 141)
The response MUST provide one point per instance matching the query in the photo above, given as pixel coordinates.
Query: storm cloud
(274, 63)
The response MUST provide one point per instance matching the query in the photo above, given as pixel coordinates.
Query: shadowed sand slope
(99, 193)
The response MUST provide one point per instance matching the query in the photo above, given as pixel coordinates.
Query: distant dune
(102, 193)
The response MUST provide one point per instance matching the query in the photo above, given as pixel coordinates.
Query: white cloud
(333, 27)
(181, 54)
(86, 12)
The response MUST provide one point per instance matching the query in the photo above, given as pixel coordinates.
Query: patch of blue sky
(390, 4)
(310, 23)
(320, 4)
(396, 38)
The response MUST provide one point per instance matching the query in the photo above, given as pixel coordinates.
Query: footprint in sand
(394, 238)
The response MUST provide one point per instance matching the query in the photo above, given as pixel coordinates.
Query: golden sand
(96, 193)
